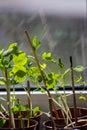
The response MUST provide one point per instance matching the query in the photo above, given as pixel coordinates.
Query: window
(59, 25)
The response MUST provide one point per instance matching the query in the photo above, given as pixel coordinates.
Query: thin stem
(50, 107)
(11, 117)
(42, 74)
(73, 89)
(29, 97)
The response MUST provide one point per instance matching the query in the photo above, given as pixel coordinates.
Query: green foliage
(36, 110)
(79, 68)
(51, 80)
(14, 60)
(2, 122)
(36, 43)
(47, 57)
(60, 63)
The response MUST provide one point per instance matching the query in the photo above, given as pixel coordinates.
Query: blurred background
(60, 25)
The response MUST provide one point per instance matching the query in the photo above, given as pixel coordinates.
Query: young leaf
(82, 97)
(13, 45)
(36, 110)
(79, 68)
(48, 57)
(60, 63)
(79, 79)
(36, 43)
(33, 71)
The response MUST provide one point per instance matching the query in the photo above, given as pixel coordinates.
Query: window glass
(60, 26)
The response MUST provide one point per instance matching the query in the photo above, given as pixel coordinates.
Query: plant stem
(42, 75)
(50, 107)
(29, 97)
(29, 100)
(11, 117)
(73, 89)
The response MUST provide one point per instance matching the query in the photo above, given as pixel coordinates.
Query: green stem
(11, 117)
(29, 97)
(29, 100)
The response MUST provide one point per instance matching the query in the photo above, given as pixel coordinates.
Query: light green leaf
(2, 83)
(12, 45)
(21, 59)
(36, 43)
(79, 79)
(82, 97)
(79, 68)
(47, 56)
(33, 71)
(20, 73)
(36, 110)
(65, 72)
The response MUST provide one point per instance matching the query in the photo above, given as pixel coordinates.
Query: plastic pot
(60, 124)
(33, 125)
(36, 118)
(81, 113)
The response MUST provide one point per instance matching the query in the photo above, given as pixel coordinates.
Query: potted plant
(48, 80)
(27, 110)
(13, 71)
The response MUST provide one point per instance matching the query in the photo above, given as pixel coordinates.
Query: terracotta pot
(33, 125)
(36, 118)
(60, 124)
(81, 113)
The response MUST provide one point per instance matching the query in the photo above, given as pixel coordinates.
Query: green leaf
(65, 72)
(20, 59)
(7, 52)
(60, 63)
(2, 83)
(48, 57)
(43, 66)
(79, 68)
(36, 43)
(15, 109)
(81, 97)
(33, 71)
(36, 110)
(2, 122)
(20, 73)
(12, 45)
(79, 79)
(51, 80)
